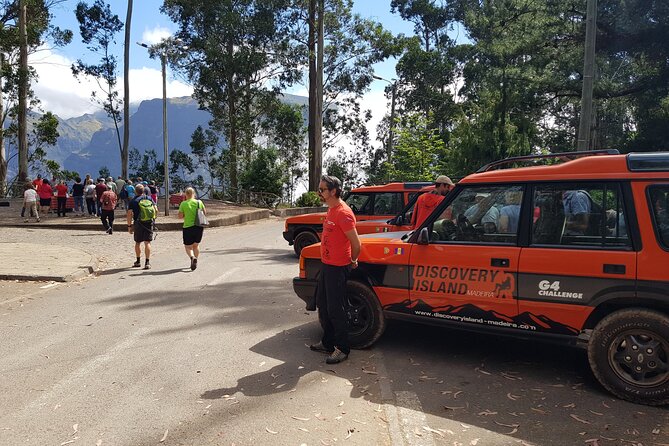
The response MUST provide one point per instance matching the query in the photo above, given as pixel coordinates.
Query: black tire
(366, 319)
(629, 355)
(304, 239)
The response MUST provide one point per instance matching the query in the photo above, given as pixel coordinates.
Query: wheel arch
(610, 306)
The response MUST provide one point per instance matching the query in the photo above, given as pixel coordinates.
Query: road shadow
(507, 389)
(255, 254)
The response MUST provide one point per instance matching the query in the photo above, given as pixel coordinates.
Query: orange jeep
(367, 202)
(575, 249)
(400, 222)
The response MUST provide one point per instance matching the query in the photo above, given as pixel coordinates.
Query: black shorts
(192, 235)
(45, 201)
(143, 231)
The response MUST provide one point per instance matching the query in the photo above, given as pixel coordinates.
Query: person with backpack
(108, 201)
(192, 233)
(142, 212)
(128, 193)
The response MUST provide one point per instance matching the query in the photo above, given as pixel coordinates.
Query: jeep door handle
(499, 262)
(614, 269)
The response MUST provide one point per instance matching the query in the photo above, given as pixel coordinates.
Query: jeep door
(467, 271)
(578, 255)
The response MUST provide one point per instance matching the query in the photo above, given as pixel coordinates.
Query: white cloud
(147, 83)
(64, 95)
(155, 35)
(376, 101)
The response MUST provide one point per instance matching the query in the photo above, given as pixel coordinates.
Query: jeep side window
(388, 203)
(587, 215)
(359, 203)
(659, 205)
(481, 214)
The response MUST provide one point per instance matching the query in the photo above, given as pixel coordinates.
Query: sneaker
(107, 230)
(25, 221)
(147, 266)
(336, 357)
(38, 220)
(137, 264)
(320, 348)
(193, 263)
(111, 230)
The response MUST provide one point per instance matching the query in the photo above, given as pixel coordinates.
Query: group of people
(88, 192)
(139, 198)
(141, 214)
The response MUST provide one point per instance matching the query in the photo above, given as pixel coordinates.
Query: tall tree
(98, 27)
(38, 32)
(237, 57)
(126, 91)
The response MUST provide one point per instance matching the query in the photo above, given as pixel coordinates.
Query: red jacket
(424, 207)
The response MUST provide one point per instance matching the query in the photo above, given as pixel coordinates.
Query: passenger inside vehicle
(510, 213)
(577, 207)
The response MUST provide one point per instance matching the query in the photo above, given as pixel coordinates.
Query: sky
(67, 97)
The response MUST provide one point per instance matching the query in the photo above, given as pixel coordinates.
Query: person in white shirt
(30, 201)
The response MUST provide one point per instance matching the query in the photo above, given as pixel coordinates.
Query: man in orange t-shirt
(428, 201)
(340, 247)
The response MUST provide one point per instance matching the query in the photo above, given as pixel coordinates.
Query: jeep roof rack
(648, 162)
(569, 155)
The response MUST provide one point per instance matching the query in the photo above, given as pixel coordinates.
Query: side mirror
(423, 237)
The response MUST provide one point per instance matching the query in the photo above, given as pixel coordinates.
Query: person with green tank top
(192, 233)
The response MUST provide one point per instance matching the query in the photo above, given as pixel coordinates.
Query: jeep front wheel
(629, 355)
(365, 315)
(304, 239)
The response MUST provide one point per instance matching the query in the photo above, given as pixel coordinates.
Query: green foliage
(420, 153)
(104, 172)
(263, 174)
(308, 199)
(285, 130)
(146, 165)
(98, 27)
(233, 48)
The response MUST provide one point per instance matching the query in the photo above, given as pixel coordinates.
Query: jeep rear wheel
(629, 355)
(366, 320)
(304, 239)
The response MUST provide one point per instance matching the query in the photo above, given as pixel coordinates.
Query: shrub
(308, 199)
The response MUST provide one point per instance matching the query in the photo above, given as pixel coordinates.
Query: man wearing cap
(428, 201)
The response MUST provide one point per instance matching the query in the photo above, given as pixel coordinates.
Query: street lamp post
(391, 134)
(163, 63)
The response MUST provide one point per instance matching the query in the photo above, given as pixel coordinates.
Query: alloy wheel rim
(640, 358)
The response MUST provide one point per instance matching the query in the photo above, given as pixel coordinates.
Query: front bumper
(306, 290)
(288, 236)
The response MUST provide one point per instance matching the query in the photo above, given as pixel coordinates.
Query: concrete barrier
(289, 212)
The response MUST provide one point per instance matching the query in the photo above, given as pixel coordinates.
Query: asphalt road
(219, 356)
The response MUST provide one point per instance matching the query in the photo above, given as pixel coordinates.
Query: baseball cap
(443, 179)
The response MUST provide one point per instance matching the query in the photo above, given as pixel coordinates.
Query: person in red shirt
(340, 247)
(45, 193)
(37, 182)
(100, 188)
(428, 201)
(108, 201)
(61, 194)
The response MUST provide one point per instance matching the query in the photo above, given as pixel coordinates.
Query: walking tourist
(141, 216)
(89, 194)
(30, 201)
(45, 193)
(192, 233)
(108, 201)
(61, 196)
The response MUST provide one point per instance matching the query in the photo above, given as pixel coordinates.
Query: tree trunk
(126, 93)
(232, 122)
(311, 43)
(318, 124)
(3, 151)
(23, 95)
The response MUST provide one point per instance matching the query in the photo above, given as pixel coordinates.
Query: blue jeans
(79, 205)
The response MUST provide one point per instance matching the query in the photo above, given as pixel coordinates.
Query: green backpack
(147, 211)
